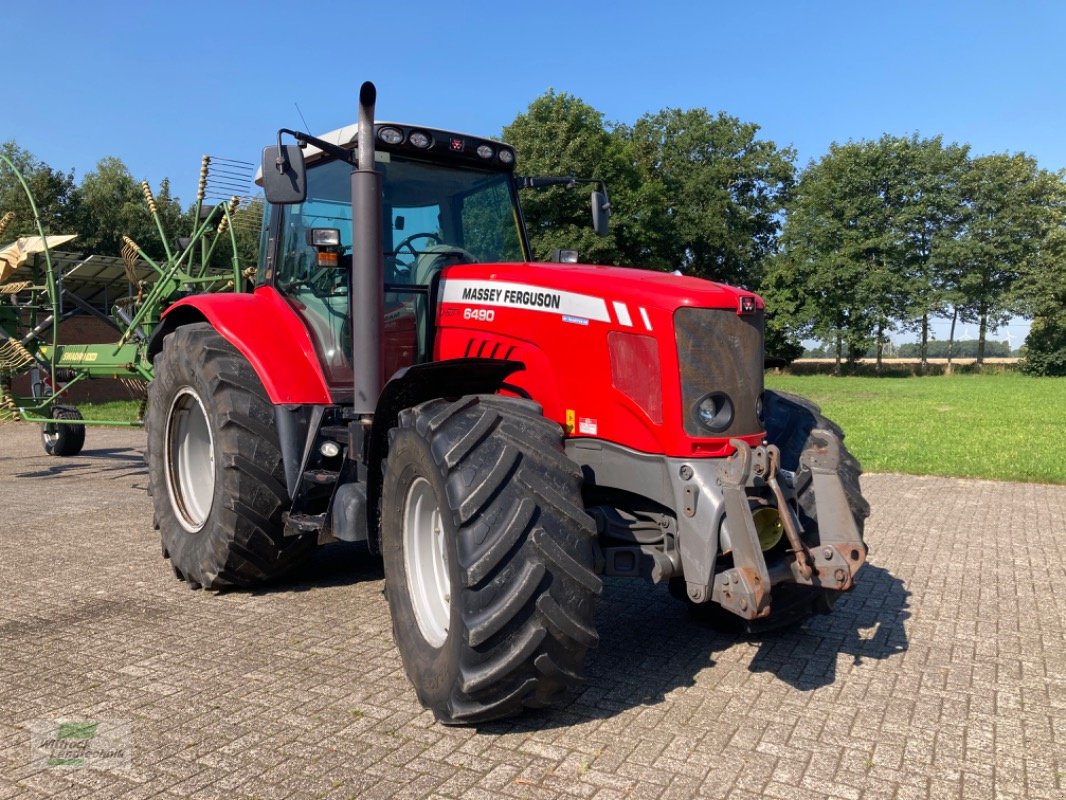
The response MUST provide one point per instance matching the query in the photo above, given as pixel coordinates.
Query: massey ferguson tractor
(503, 433)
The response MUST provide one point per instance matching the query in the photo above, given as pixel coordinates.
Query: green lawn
(119, 410)
(1005, 426)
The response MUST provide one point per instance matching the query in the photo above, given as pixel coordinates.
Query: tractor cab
(446, 199)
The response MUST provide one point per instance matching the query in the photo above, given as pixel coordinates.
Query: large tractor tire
(488, 557)
(791, 424)
(215, 466)
(63, 440)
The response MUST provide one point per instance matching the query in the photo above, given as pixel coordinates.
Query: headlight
(714, 411)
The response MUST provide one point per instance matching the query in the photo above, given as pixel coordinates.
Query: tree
(1008, 215)
(53, 191)
(927, 215)
(836, 280)
(1042, 294)
(113, 205)
(689, 190)
(864, 241)
(561, 135)
(712, 192)
(247, 228)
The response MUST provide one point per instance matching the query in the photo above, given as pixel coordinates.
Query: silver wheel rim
(189, 454)
(425, 562)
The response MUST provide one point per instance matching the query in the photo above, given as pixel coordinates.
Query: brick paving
(943, 675)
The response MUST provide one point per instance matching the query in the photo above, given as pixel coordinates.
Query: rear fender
(266, 331)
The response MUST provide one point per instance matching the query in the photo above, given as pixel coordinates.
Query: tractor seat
(431, 261)
(435, 258)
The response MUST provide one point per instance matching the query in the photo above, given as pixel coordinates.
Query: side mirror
(284, 175)
(601, 213)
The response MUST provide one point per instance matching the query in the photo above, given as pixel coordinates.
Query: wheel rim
(190, 460)
(426, 563)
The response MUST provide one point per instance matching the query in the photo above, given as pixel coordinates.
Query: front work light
(420, 140)
(324, 237)
(390, 135)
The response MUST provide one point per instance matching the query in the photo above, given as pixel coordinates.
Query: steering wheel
(414, 253)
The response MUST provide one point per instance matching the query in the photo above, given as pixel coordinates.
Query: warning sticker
(587, 426)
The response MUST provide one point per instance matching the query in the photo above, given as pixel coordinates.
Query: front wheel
(488, 557)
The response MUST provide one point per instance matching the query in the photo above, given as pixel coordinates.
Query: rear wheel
(215, 466)
(488, 557)
(63, 440)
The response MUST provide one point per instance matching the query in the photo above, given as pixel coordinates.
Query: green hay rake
(40, 286)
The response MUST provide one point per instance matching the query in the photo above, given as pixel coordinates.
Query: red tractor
(501, 432)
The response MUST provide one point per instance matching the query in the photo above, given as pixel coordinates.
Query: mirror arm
(326, 147)
(606, 198)
(281, 163)
(529, 182)
(569, 181)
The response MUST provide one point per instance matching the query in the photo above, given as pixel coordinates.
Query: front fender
(266, 331)
(417, 384)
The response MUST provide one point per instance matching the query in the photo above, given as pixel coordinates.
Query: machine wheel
(488, 557)
(215, 466)
(63, 440)
(790, 421)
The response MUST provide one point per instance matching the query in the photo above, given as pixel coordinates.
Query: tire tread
(525, 554)
(242, 543)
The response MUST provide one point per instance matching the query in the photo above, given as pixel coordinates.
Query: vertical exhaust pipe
(368, 264)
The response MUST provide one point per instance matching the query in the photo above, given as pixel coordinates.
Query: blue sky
(160, 84)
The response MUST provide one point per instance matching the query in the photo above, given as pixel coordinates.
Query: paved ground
(943, 675)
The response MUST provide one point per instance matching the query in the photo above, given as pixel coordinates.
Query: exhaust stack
(368, 264)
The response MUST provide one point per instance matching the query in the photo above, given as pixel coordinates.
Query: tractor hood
(602, 294)
(655, 362)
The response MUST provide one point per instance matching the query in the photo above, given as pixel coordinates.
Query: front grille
(719, 350)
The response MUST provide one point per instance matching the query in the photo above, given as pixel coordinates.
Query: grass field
(1005, 427)
(121, 410)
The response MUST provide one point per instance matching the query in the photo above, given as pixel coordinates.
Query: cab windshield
(434, 215)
